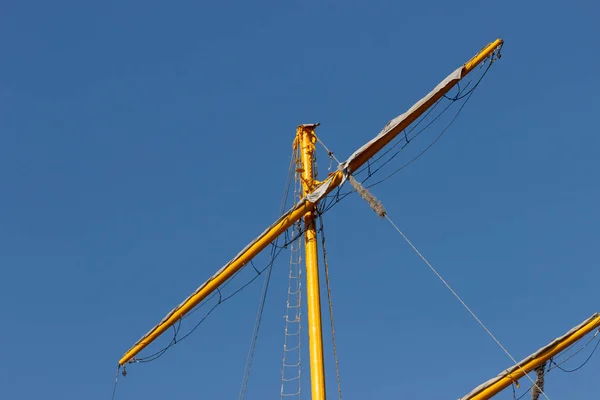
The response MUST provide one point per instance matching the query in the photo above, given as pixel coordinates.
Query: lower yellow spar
(496, 385)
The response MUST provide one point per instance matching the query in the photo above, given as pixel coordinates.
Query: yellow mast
(307, 205)
(492, 387)
(306, 139)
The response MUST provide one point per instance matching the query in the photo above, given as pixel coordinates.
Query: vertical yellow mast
(306, 139)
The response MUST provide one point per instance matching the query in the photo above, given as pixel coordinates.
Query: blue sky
(143, 144)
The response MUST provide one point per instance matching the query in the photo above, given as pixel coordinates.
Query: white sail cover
(391, 128)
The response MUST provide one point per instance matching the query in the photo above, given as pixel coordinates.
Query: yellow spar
(306, 205)
(512, 375)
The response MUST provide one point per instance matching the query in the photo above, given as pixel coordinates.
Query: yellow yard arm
(492, 387)
(307, 204)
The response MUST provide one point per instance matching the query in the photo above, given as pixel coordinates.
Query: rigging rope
(265, 289)
(327, 280)
(378, 208)
(586, 360)
(329, 152)
(116, 381)
(464, 304)
(259, 314)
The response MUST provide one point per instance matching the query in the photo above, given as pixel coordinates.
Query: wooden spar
(299, 211)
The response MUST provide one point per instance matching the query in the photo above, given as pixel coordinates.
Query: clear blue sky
(143, 144)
